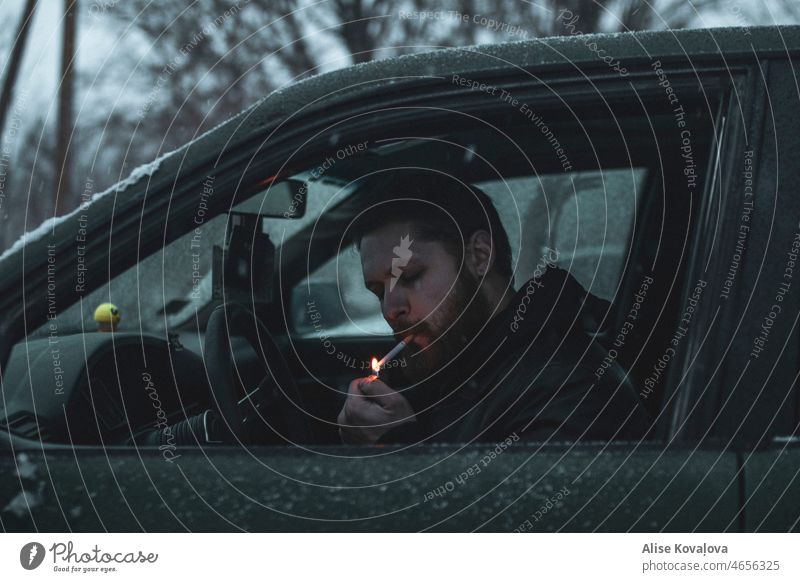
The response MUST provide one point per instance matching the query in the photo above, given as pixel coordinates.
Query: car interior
(175, 354)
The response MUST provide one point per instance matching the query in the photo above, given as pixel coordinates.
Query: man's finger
(351, 406)
(375, 388)
(357, 411)
(356, 386)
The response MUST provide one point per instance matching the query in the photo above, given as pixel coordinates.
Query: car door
(648, 142)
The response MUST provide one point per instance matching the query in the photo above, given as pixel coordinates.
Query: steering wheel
(273, 408)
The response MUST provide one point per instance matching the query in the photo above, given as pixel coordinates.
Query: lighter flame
(376, 367)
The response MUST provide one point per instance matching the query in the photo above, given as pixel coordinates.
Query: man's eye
(411, 277)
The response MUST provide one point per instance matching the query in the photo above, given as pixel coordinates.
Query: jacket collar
(539, 313)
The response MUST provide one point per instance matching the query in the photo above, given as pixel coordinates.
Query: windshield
(171, 285)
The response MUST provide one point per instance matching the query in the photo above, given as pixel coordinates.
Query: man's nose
(395, 305)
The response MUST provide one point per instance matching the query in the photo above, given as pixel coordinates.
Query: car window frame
(716, 82)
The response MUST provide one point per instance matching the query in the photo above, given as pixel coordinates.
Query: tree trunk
(14, 60)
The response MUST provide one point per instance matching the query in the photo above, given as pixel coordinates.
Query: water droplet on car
(469, 153)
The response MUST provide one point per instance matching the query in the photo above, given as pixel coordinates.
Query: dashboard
(100, 388)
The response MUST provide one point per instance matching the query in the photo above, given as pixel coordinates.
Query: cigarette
(378, 364)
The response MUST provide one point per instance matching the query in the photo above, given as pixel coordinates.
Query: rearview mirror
(285, 199)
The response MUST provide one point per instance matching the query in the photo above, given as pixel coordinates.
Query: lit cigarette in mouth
(378, 364)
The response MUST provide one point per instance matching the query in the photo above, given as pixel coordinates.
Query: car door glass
(586, 217)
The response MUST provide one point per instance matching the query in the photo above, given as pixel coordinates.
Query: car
(655, 164)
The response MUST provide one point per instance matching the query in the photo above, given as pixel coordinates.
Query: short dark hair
(440, 207)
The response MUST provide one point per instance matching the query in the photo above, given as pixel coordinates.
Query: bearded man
(485, 362)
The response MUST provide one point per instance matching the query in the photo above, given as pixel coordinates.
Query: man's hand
(371, 410)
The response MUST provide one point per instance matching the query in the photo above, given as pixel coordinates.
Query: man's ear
(480, 255)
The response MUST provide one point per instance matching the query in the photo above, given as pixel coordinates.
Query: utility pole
(65, 97)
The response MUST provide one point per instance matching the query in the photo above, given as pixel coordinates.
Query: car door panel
(502, 487)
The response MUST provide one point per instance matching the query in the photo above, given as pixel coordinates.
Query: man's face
(423, 293)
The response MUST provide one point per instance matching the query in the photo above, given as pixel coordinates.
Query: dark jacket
(534, 372)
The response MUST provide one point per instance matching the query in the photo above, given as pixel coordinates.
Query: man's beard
(448, 330)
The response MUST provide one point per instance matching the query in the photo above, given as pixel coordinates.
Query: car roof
(353, 82)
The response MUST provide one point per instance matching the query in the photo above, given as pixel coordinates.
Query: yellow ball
(107, 313)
